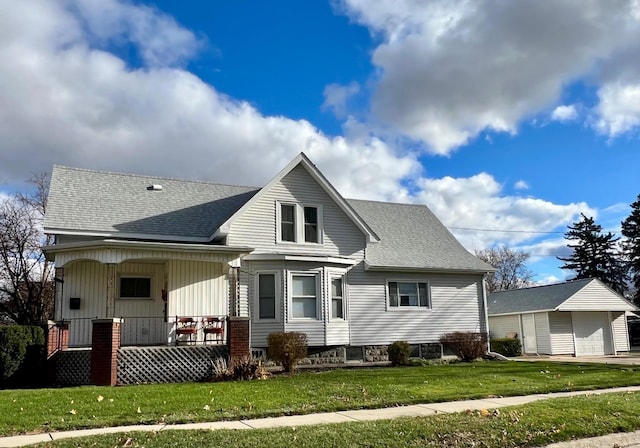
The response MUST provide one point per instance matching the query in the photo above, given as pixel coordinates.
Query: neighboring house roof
(412, 237)
(112, 204)
(549, 298)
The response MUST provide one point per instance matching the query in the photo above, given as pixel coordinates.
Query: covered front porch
(164, 293)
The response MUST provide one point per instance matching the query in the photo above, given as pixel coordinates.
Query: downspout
(486, 311)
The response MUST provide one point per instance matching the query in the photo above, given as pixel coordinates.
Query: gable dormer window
(288, 222)
(310, 224)
(299, 223)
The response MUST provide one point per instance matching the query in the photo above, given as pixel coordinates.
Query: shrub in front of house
(398, 352)
(243, 369)
(288, 349)
(467, 345)
(21, 354)
(507, 346)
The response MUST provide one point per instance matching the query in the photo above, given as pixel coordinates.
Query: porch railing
(151, 330)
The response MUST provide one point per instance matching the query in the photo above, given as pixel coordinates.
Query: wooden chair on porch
(213, 326)
(186, 326)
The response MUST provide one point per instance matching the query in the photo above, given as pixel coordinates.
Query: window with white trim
(337, 298)
(132, 287)
(311, 224)
(299, 223)
(288, 222)
(304, 296)
(266, 288)
(408, 294)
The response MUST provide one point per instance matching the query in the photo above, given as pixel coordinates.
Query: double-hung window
(300, 223)
(408, 294)
(266, 286)
(311, 225)
(135, 287)
(287, 222)
(304, 296)
(337, 299)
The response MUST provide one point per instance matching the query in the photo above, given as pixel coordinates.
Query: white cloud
(337, 96)
(65, 100)
(619, 108)
(564, 113)
(68, 100)
(548, 280)
(487, 65)
(521, 185)
(477, 203)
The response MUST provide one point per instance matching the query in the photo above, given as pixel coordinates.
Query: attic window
(154, 187)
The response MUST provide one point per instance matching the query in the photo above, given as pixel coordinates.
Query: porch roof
(117, 251)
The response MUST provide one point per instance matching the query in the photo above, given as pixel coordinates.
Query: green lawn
(535, 424)
(85, 407)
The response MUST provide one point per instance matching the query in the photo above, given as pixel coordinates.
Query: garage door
(590, 330)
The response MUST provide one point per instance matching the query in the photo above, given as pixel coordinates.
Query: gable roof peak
(314, 172)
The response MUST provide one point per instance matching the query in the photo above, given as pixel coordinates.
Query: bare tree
(26, 277)
(512, 271)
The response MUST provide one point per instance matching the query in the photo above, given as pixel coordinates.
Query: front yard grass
(42, 410)
(536, 424)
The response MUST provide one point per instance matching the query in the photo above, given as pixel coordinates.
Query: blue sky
(512, 116)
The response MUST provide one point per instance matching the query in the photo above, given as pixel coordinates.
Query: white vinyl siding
(499, 326)
(456, 305)
(257, 227)
(561, 332)
(595, 297)
(620, 332)
(543, 339)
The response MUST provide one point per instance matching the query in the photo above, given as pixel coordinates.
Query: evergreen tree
(595, 254)
(631, 245)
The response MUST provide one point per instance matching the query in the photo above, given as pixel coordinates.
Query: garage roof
(578, 295)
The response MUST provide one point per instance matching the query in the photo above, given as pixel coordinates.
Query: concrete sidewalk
(619, 440)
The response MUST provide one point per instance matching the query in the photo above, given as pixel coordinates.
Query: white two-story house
(293, 255)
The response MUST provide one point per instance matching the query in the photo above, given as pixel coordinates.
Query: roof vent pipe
(154, 187)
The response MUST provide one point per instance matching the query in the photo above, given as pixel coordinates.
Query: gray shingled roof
(537, 298)
(411, 236)
(102, 202)
(107, 203)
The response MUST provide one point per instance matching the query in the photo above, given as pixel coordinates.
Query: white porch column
(111, 290)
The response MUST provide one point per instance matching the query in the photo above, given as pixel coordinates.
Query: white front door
(590, 331)
(529, 333)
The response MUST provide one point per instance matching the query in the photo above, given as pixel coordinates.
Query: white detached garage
(580, 317)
